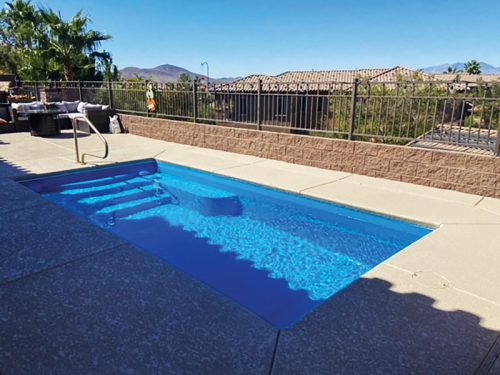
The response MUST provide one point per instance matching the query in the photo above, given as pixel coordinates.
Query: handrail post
(195, 101)
(75, 137)
(259, 112)
(80, 93)
(74, 123)
(353, 108)
(110, 95)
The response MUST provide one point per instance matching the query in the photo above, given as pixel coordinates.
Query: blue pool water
(276, 254)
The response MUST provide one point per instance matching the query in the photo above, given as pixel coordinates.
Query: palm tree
(453, 70)
(71, 44)
(21, 36)
(19, 22)
(473, 67)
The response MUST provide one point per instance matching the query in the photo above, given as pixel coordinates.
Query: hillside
(166, 73)
(437, 69)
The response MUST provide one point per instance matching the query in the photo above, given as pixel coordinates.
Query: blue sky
(242, 37)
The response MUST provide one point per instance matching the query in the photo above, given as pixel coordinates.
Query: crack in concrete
(98, 252)
(489, 359)
(479, 201)
(325, 183)
(275, 349)
(450, 286)
(180, 150)
(239, 166)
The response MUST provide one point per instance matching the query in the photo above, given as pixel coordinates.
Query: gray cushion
(61, 107)
(35, 106)
(72, 106)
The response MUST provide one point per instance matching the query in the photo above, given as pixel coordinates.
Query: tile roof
(340, 79)
(334, 76)
(400, 73)
(328, 75)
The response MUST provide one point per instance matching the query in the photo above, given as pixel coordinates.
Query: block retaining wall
(467, 173)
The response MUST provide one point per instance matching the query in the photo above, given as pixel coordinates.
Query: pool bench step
(187, 196)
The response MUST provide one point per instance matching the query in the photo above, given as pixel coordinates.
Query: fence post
(195, 101)
(37, 94)
(353, 107)
(80, 93)
(145, 88)
(110, 95)
(259, 109)
(497, 143)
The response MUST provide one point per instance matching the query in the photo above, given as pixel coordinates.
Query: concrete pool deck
(75, 299)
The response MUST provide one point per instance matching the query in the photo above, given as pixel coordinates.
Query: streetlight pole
(208, 72)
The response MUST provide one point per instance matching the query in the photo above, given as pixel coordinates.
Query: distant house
(296, 99)
(305, 99)
(466, 81)
(469, 78)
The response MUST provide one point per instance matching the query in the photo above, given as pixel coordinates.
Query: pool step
(190, 194)
(114, 200)
(87, 193)
(98, 182)
(108, 218)
(127, 211)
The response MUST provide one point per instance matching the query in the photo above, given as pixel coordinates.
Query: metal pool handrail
(75, 137)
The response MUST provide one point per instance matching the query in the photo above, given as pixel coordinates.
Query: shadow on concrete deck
(8, 169)
(368, 328)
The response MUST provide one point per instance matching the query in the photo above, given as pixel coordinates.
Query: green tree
(72, 43)
(184, 78)
(41, 45)
(9, 59)
(22, 40)
(473, 67)
(19, 21)
(452, 70)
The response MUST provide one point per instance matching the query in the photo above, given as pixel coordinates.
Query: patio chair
(6, 123)
(22, 123)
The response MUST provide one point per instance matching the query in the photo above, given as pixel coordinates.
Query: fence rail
(459, 113)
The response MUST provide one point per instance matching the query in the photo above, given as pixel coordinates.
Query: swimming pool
(276, 254)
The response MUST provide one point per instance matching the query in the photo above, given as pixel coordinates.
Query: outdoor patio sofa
(7, 125)
(97, 114)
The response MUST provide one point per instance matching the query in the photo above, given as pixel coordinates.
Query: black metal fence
(459, 113)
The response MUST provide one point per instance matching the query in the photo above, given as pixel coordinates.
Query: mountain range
(436, 69)
(171, 73)
(166, 73)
